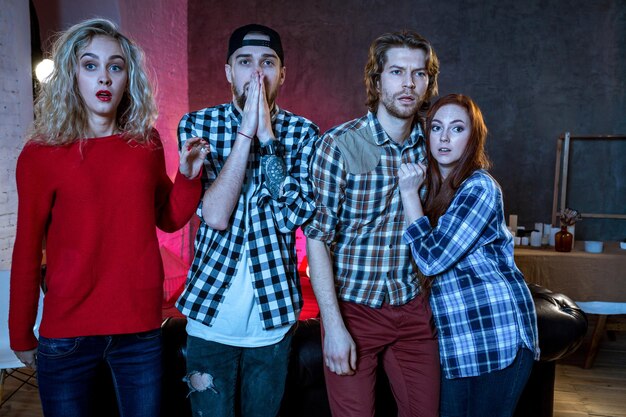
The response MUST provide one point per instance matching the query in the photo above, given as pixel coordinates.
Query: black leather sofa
(562, 327)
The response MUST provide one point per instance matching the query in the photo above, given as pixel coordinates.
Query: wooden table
(580, 275)
(596, 281)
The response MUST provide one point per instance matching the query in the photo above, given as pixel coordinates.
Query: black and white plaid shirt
(272, 223)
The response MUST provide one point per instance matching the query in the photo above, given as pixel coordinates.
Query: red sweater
(97, 208)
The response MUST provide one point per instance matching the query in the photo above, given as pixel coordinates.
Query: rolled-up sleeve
(328, 178)
(294, 205)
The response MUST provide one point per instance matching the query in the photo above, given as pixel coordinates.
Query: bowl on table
(593, 246)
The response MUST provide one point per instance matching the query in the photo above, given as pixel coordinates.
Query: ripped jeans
(222, 377)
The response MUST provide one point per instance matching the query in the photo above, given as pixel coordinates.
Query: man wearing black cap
(242, 293)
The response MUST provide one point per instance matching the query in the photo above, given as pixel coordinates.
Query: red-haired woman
(482, 307)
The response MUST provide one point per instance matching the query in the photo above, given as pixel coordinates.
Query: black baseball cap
(236, 40)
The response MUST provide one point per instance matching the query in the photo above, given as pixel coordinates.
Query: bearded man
(242, 294)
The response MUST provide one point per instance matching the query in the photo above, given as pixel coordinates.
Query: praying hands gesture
(256, 119)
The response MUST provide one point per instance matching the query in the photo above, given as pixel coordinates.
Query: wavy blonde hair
(60, 115)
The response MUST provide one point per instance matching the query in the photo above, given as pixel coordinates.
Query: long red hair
(441, 191)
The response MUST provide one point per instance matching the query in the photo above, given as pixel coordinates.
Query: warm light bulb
(44, 69)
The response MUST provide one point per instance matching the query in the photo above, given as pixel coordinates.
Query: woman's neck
(102, 127)
(444, 171)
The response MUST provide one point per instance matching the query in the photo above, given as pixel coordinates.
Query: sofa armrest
(562, 324)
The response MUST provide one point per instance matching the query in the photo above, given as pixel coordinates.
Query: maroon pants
(405, 340)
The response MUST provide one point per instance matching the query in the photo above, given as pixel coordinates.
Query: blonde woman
(92, 183)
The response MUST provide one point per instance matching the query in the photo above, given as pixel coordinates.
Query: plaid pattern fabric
(482, 307)
(272, 222)
(359, 213)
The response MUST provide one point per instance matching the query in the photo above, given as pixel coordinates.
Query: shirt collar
(381, 136)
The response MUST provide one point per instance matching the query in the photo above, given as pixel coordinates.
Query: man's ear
(283, 73)
(228, 71)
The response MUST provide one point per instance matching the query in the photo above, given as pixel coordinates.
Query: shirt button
(390, 246)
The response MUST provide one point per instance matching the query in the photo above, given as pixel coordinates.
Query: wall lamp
(43, 70)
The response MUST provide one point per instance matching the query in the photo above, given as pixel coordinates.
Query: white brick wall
(16, 112)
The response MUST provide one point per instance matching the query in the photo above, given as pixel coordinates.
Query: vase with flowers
(563, 239)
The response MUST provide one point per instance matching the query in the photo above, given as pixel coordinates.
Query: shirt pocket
(369, 197)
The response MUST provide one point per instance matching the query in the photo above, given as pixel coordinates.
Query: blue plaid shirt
(359, 211)
(272, 222)
(482, 307)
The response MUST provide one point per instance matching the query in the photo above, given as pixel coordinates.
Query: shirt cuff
(189, 182)
(312, 231)
(417, 230)
(197, 177)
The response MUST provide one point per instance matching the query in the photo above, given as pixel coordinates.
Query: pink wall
(325, 50)
(161, 30)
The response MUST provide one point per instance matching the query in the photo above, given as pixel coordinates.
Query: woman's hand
(411, 177)
(192, 157)
(28, 358)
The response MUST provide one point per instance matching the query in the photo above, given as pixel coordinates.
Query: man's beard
(388, 101)
(240, 98)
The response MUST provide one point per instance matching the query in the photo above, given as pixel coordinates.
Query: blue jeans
(489, 395)
(221, 376)
(67, 369)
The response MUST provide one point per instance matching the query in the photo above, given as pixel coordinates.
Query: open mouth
(104, 95)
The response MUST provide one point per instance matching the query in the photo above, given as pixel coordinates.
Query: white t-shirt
(238, 321)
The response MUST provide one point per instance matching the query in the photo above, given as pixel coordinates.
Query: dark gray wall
(536, 68)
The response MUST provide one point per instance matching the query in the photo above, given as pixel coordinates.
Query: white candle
(545, 239)
(513, 223)
(535, 239)
(552, 233)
